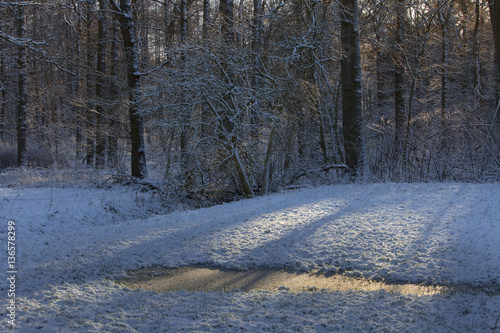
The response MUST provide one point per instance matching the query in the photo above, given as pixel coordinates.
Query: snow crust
(73, 243)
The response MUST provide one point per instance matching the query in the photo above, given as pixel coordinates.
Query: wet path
(202, 278)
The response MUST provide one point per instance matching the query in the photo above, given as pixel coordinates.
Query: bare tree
(444, 19)
(124, 13)
(495, 23)
(399, 102)
(3, 94)
(229, 105)
(22, 94)
(100, 87)
(206, 19)
(351, 86)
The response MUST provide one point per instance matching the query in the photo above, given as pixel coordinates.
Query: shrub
(36, 157)
(8, 157)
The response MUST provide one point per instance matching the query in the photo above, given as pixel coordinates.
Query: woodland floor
(349, 258)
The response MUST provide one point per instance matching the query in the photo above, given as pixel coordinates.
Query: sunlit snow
(73, 243)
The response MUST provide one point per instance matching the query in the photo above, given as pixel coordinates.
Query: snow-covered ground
(71, 244)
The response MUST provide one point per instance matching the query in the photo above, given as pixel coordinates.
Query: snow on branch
(30, 45)
(19, 3)
(323, 169)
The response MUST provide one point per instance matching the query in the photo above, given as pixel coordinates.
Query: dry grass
(41, 177)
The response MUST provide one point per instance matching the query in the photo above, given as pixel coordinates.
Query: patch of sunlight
(200, 278)
(269, 227)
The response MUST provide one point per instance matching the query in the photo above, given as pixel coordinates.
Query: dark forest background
(245, 97)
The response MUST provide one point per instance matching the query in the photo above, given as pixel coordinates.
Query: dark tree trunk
(205, 114)
(183, 21)
(185, 116)
(206, 18)
(380, 65)
(169, 22)
(266, 178)
(257, 28)
(90, 114)
(114, 93)
(444, 73)
(227, 29)
(399, 107)
(322, 139)
(3, 96)
(100, 89)
(130, 42)
(73, 83)
(475, 53)
(351, 86)
(495, 22)
(381, 78)
(444, 16)
(399, 102)
(22, 95)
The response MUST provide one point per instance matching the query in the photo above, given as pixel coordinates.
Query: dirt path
(194, 278)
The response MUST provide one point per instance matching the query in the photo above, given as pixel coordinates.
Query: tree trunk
(90, 115)
(351, 86)
(206, 19)
(266, 178)
(227, 29)
(322, 139)
(3, 96)
(114, 93)
(227, 121)
(257, 28)
(495, 22)
(78, 111)
(100, 89)
(185, 114)
(130, 42)
(444, 18)
(475, 52)
(444, 73)
(338, 156)
(22, 95)
(399, 102)
(242, 177)
(142, 30)
(183, 21)
(380, 66)
(205, 114)
(169, 22)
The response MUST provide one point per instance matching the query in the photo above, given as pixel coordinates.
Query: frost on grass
(71, 241)
(98, 307)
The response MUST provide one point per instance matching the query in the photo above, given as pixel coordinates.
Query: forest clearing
(237, 165)
(74, 244)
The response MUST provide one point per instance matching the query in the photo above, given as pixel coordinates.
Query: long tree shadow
(168, 248)
(292, 244)
(207, 240)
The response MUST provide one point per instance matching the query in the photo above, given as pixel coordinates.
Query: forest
(247, 97)
(339, 161)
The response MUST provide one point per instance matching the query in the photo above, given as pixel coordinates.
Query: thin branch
(115, 8)
(156, 68)
(21, 3)
(449, 128)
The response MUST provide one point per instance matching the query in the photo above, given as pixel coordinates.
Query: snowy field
(71, 244)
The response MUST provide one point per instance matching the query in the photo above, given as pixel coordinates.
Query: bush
(8, 157)
(37, 157)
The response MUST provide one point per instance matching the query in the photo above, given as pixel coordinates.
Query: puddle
(198, 278)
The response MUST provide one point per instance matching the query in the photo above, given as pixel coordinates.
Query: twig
(496, 324)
